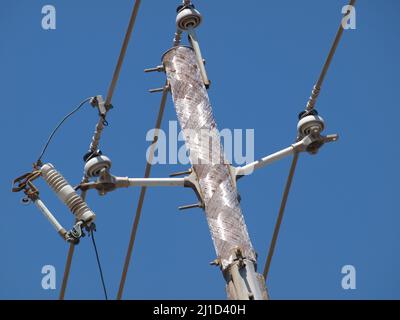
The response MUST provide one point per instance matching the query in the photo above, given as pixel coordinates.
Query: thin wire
(67, 268)
(100, 125)
(122, 53)
(280, 215)
(59, 125)
(142, 195)
(332, 51)
(310, 106)
(314, 96)
(67, 271)
(98, 263)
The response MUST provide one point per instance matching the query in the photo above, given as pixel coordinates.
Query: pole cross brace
(310, 143)
(107, 182)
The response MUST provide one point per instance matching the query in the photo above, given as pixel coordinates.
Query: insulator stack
(67, 194)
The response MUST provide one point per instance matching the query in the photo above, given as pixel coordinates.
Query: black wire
(59, 125)
(98, 263)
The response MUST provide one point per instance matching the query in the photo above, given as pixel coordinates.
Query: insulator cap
(306, 113)
(310, 124)
(94, 166)
(188, 18)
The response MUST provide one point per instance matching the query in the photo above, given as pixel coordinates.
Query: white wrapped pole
(224, 216)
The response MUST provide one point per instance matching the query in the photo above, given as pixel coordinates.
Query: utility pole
(236, 256)
(213, 180)
(219, 197)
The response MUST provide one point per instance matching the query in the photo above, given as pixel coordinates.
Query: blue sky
(263, 60)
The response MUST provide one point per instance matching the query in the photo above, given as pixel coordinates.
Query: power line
(67, 268)
(101, 123)
(100, 126)
(309, 108)
(71, 249)
(122, 52)
(97, 136)
(59, 125)
(142, 193)
(98, 260)
(280, 215)
(316, 90)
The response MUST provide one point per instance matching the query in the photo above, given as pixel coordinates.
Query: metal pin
(181, 173)
(156, 69)
(157, 90)
(215, 262)
(191, 206)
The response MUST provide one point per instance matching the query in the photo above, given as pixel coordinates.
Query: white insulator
(310, 124)
(94, 166)
(67, 194)
(188, 18)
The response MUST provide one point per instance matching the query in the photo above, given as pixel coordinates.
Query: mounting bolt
(192, 206)
(216, 262)
(156, 69)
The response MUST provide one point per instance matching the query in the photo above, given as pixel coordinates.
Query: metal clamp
(309, 140)
(106, 182)
(24, 183)
(60, 186)
(76, 233)
(99, 103)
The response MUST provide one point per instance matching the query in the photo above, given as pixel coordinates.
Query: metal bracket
(24, 183)
(99, 103)
(200, 61)
(310, 143)
(159, 68)
(239, 258)
(107, 183)
(75, 234)
(316, 141)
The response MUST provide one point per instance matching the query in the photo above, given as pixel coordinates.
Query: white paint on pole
(219, 193)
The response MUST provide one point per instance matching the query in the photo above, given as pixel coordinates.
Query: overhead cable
(142, 193)
(309, 109)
